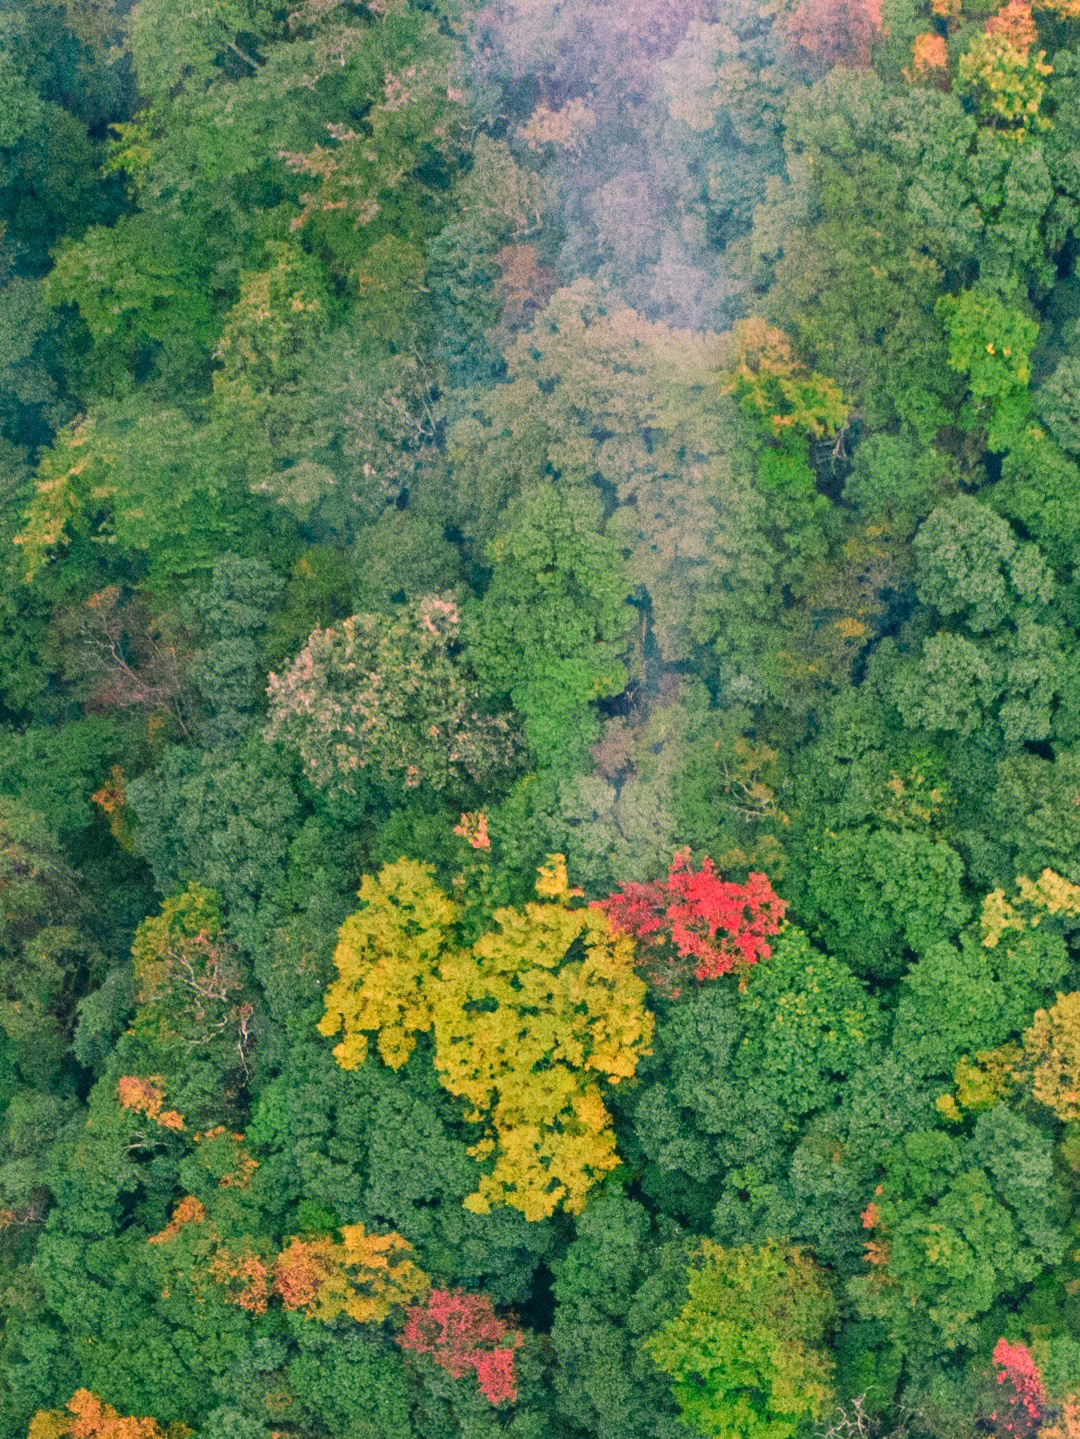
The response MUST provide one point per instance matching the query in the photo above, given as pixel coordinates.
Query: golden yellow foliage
(1052, 1049)
(1004, 74)
(527, 1024)
(387, 959)
(49, 1424)
(981, 1081)
(364, 1276)
(762, 370)
(1050, 894)
(64, 475)
(987, 1078)
(551, 878)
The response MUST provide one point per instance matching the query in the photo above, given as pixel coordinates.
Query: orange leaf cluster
(189, 1211)
(146, 1096)
(244, 1277)
(111, 799)
(89, 1418)
(929, 58)
(1015, 24)
(364, 1276)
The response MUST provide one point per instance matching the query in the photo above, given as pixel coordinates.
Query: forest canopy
(539, 719)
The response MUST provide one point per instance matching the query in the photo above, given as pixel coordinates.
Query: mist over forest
(539, 719)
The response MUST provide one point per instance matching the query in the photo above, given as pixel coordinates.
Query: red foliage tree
(836, 32)
(1021, 1403)
(462, 1332)
(696, 923)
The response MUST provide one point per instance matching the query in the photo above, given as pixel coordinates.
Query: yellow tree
(527, 1024)
(769, 381)
(1052, 1050)
(1004, 73)
(364, 1276)
(1050, 896)
(387, 960)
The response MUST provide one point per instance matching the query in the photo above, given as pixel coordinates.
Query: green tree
(959, 1224)
(550, 629)
(615, 1281)
(49, 955)
(746, 1353)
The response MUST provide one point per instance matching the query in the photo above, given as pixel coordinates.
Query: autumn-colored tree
(523, 288)
(695, 923)
(836, 31)
(1050, 897)
(746, 1353)
(363, 1276)
(187, 971)
(387, 696)
(189, 1211)
(1065, 1423)
(982, 1080)
(1052, 1052)
(525, 1023)
(111, 799)
(89, 1418)
(929, 59)
(770, 382)
(461, 1332)
(1004, 74)
(242, 1276)
(147, 1096)
(387, 960)
(1021, 1399)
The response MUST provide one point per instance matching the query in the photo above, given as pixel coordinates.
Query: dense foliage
(539, 719)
